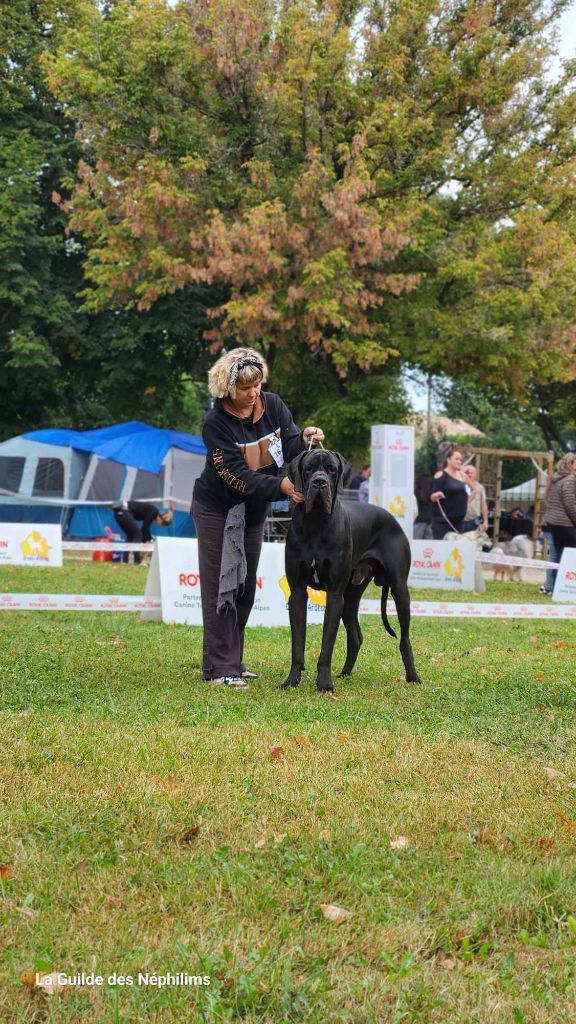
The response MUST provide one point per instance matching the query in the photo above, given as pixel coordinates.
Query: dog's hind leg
(401, 596)
(297, 605)
(354, 638)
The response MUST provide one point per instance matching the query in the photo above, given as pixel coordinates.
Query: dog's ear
(294, 471)
(344, 471)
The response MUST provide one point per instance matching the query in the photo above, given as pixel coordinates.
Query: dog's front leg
(332, 616)
(297, 604)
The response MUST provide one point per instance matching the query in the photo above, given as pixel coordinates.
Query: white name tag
(276, 451)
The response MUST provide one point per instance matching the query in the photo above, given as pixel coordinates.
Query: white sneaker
(234, 682)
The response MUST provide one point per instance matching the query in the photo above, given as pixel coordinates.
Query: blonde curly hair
(566, 462)
(221, 378)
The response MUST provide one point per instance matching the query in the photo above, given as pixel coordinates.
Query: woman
(477, 508)
(561, 505)
(248, 436)
(450, 496)
(128, 513)
(423, 522)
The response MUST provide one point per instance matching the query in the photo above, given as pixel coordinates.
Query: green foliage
(359, 178)
(346, 419)
(60, 365)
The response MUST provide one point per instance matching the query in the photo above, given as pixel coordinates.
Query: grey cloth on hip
(233, 564)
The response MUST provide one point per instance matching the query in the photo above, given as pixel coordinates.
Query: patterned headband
(250, 361)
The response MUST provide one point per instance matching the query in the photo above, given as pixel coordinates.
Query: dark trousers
(223, 641)
(128, 524)
(564, 537)
(440, 526)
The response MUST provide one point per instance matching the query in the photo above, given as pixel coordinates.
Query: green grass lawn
(151, 824)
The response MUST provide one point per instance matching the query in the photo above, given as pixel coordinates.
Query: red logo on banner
(188, 579)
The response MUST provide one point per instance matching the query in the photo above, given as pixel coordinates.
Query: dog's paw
(413, 679)
(291, 681)
(325, 686)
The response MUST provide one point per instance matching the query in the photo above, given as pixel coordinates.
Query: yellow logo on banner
(454, 565)
(316, 596)
(398, 506)
(35, 546)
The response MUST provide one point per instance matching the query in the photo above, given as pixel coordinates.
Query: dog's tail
(383, 603)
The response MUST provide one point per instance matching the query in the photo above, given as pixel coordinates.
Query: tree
(38, 322)
(363, 179)
(62, 365)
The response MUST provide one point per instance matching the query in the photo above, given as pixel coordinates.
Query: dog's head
(319, 475)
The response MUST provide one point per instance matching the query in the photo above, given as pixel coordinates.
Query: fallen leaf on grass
(261, 840)
(533, 639)
(335, 914)
(27, 912)
(279, 837)
(170, 784)
(190, 834)
(326, 835)
(301, 741)
(546, 845)
(568, 823)
(40, 982)
(563, 644)
(6, 871)
(448, 963)
(553, 773)
(276, 753)
(401, 843)
(482, 671)
(81, 867)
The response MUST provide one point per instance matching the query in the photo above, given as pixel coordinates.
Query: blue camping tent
(125, 461)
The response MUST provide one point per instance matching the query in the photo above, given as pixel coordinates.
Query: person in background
(249, 435)
(363, 475)
(423, 521)
(560, 514)
(551, 556)
(477, 508)
(364, 490)
(129, 513)
(450, 494)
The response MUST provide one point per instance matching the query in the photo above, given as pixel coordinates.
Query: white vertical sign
(392, 479)
(565, 586)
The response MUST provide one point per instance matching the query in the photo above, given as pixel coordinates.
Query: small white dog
(518, 547)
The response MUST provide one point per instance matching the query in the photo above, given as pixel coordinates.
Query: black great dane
(340, 549)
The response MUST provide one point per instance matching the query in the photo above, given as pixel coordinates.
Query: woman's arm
(224, 455)
(568, 497)
(484, 509)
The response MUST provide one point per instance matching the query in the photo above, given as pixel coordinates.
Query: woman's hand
(312, 435)
(437, 496)
(289, 491)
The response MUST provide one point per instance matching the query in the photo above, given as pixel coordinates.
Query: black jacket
(239, 463)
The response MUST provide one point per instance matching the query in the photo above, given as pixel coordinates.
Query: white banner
(77, 602)
(392, 478)
(174, 576)
(37, 544)
(150, 607)
(565, 586)
(442, 564)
